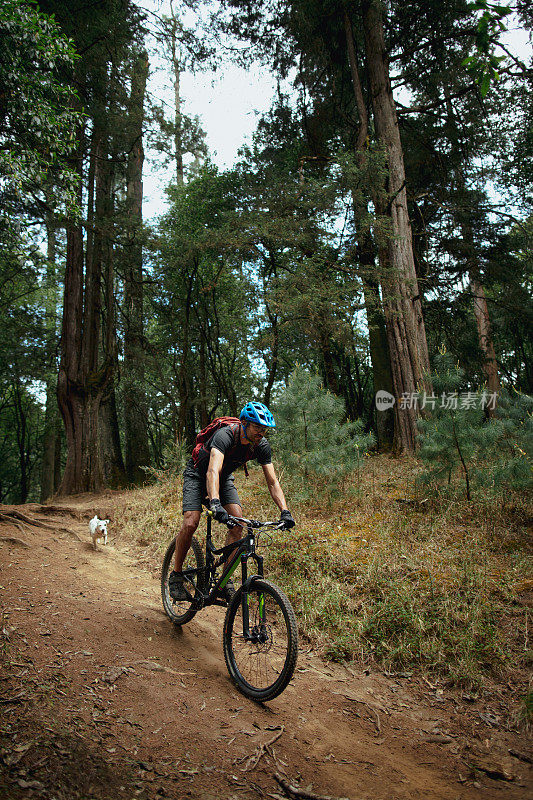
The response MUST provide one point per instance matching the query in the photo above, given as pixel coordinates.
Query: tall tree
(135, 407)
(449, 128)
(401, 295)
(304, 25)
(105, 219)
(51, 433)
(82, 378)
(366, 258)
(86, 371)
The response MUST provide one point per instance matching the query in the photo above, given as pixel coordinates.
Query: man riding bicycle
(208, 480)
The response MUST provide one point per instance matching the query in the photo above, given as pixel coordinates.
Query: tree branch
(436, 104)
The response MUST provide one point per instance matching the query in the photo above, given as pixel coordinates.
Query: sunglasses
(259, 428)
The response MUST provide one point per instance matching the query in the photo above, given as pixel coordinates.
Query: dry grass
(382, 573)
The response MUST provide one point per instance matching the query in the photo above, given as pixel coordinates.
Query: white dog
(98, 530)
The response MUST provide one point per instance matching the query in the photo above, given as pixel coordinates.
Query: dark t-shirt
(234, 456)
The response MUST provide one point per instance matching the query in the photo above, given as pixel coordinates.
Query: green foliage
(485, 65)
(312, 438)
(21, 422)
(37, 136)
(36, 107)
(201, 307)
(510, 272)
(459, 439)
(23, 363)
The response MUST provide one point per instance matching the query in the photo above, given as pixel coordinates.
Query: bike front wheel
(182, 611)
(260, 656)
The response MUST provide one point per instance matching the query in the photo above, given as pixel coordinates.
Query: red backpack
(206, 433)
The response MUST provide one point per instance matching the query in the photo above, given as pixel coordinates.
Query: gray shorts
(195, 490)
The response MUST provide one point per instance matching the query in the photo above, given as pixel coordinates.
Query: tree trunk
(57, 457)
(274, 355)
(186, 422)
(481, 310)
(377, 335)
(51, 411)
(486, 344)
(379, 356)
(176, 65)
(91, 173)
(81, 380)
(135, 407)
(186, 417)
(49, 443)
(112, 460)
(401, 297)
(22, 436)
(75, 477)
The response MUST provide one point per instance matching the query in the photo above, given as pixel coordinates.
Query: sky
(228, 103)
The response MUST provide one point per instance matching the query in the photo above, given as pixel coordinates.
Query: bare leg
(191, 520)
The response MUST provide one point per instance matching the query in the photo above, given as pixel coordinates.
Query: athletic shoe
(176, 586)
(229, 590)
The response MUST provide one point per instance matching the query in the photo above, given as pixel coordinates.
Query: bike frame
(244, 550)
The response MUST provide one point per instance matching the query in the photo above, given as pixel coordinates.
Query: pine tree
(460, 439)
(313, 438)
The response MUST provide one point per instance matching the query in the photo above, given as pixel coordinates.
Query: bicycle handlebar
(247, 523)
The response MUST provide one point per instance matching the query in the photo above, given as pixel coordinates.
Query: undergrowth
(382, 573)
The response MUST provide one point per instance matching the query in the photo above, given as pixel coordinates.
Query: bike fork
(245, 601)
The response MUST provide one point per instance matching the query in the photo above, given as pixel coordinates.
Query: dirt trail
(101, 697)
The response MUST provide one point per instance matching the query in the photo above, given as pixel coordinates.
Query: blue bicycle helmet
(258, 413)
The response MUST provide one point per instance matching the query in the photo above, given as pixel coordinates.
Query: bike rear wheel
(182, 611)
(262, 664)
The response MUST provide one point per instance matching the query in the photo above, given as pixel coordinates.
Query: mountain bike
(260, 637)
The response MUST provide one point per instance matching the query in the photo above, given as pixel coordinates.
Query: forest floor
(102, 697)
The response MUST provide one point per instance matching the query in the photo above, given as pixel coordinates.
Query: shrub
(313, 438)
(459, 438)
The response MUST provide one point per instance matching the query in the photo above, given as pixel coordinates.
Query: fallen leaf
(22, 748)
(30, 784)
(490, 719)
(113, 674)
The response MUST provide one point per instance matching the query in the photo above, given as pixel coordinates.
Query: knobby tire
(182, 611)
(261, 669)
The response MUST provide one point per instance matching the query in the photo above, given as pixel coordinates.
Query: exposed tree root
(300, 794)
(12, 515)
(262, 749)
(64, 510)
(14, 540)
